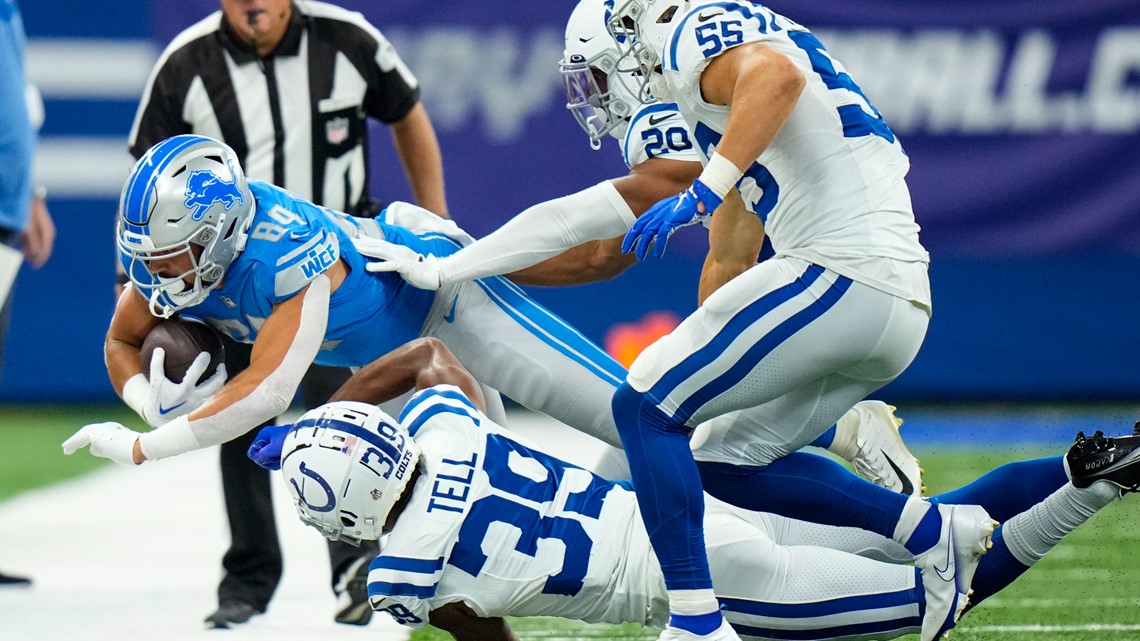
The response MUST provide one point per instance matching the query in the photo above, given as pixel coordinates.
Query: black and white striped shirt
(296, 117)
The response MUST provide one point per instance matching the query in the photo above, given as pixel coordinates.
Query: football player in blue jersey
(484, 525)
(271, 269)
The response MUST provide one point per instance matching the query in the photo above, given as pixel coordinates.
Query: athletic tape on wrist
(172, 439)
(720, 175)
(136, 393)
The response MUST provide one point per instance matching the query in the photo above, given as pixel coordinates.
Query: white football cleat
(948, 567)
(882, 457)
(723, 633)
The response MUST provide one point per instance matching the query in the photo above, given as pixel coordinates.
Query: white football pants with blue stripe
(777, 579)
(776, 356)
(513, 344)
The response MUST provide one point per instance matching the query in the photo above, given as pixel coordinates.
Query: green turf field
(1088, 588)
(31, 437)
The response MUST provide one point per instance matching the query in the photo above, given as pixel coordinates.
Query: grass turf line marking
(1087, 627)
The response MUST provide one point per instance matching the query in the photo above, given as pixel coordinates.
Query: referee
(289, 86)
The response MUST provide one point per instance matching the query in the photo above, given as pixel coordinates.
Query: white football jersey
(830, 188)
(507, 529)
(657, 130)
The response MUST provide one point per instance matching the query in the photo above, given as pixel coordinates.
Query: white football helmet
(346, 464)
(187, 195)
(640, 29)
(599, 92)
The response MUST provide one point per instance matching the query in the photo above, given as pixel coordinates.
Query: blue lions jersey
(291, 242)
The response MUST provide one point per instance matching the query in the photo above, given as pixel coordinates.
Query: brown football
(182, 339)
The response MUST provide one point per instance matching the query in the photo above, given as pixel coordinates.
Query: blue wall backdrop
(1021, 119)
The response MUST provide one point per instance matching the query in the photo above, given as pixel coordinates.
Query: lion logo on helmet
(204, 188)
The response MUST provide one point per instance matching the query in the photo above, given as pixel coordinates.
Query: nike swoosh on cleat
(163, 411)
(450, 317)
(907, 486)
(941, 572)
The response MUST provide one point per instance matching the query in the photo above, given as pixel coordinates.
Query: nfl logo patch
(376, 494)
(336, 130)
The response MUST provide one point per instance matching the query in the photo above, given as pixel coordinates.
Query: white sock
(693, 602)
(1031, 534)
(911, 516)
(845, 445)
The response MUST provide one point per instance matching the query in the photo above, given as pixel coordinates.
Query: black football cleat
(229, 614)
(1105, 458)
(352, 606)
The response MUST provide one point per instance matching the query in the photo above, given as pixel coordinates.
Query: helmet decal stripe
(371, 438)
(136, 204)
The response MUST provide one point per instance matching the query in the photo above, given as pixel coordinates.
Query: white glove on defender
(107, 440)
(158, 400)
(420, 271)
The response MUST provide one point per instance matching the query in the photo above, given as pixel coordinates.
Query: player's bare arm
(416, 143)
(422, 363)
(735, 238)
(597, 260)
(129, 327)
(461, 622)
(761, 87)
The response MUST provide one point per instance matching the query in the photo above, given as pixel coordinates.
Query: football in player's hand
(182, 339)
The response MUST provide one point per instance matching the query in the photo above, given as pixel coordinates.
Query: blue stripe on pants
(552, 330)
(743, 319)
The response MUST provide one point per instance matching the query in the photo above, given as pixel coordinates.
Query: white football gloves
(158, 400)
(107, 440)
(420, 271)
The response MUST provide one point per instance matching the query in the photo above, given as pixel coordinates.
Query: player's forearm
(418, 149)
(264, 389)
(541, 232)
(590, 262)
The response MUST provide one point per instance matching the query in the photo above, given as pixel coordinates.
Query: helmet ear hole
(667, 15)
(348, 518)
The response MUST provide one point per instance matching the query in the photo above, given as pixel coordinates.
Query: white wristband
(136, 393)
(720, 174)
(171, 439)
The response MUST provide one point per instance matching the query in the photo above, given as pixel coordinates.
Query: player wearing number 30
(795, 341)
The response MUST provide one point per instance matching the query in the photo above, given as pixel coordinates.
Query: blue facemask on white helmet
(186, 196)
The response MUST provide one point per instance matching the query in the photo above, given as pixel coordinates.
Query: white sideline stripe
(83, 166)
(1088, 627)
(90, 67)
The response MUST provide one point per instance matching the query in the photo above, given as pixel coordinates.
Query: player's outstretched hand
(266, 447)
(420, 271)
(107, 440)
(168, 400)
(656, 225)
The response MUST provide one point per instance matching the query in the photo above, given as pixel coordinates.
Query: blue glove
(655, 226)
(266, 447)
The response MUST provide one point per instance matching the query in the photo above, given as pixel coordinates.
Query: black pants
(253, 562)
